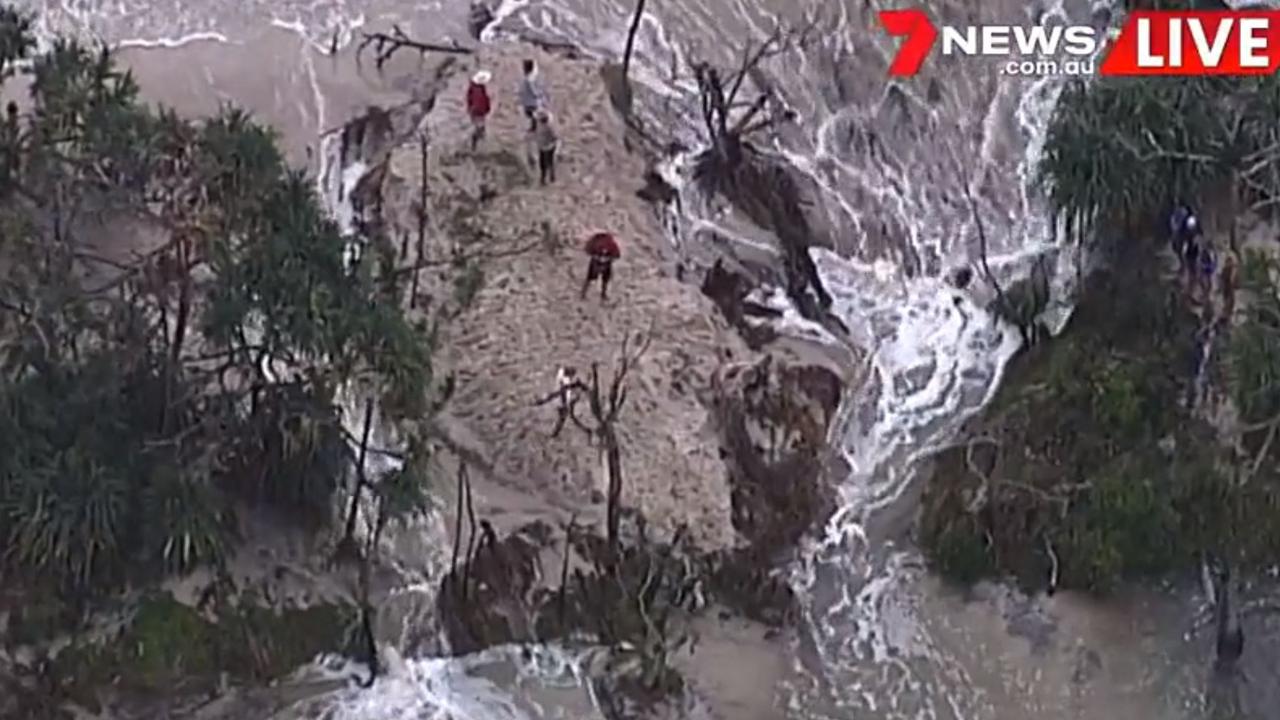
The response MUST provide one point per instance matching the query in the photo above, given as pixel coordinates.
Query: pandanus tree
(146, 393)
(1119, 151)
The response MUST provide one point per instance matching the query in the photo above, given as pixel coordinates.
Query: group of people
(533, 101)
(602, 248)
(1198, 268)
(1198, 261)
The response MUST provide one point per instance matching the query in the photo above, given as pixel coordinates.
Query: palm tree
(1120, 150)
(240, 367)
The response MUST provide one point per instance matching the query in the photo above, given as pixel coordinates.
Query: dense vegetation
(1091, 453)
(177, 317)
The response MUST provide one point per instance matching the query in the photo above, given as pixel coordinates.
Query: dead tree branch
(420, 248)
(457, 522)
(360, 481)
(462, 259)
(564, 567)
(719, 92)
(385, 45)
(631, 43)
(605, 405)
(982, 236)
(471, 522)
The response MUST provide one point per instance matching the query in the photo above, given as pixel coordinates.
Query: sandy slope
(528, 319)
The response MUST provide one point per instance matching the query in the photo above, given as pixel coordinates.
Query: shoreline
(195, 78)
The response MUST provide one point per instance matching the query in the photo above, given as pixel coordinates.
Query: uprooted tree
(764, 188)
(729, 120)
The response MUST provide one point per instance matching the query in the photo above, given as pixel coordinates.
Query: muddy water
(883, 639)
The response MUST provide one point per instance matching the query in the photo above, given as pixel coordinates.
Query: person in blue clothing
(1184, 237)
(532, 95)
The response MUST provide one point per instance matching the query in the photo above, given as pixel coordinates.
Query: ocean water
(881, 639)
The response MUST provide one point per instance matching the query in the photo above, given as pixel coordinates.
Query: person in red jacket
(602, 249)
(478, 105)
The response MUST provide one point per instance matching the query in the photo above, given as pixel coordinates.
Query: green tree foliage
(1092, 451)
(142, 401)
(1254, 372)
(1095, 454)
(1120, 150)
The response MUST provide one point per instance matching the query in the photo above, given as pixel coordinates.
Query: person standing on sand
(567, 386)
(546, 141)
(532, 96)
(602, 250)
(478, 106)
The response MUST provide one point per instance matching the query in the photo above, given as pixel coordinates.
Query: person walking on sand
(478, 106)
(567, 386)
(602, 250)
(546, 141)
(566, 395)
(532, 97)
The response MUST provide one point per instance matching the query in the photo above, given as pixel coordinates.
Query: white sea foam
(177, 42)
(500, 683)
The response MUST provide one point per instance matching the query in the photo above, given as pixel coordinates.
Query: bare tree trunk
(1230, 635)
(1232, 208)
(613, 457)
(1001, 299)
(179, 331)
(982, 245)
(354, 509)
(471, 540)
(631, 41)
(366, 608)
(564, 567)
(457, 524)
(422, 224)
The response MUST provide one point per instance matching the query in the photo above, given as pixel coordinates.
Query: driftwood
(384, 45)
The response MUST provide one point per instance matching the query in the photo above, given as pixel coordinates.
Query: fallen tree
(763, 186)
(385, 45)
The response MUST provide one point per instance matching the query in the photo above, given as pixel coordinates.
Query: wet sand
(283, 80)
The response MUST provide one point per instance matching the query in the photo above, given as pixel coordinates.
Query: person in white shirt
(567, 387)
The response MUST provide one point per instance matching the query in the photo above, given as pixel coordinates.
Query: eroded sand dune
(527, 319)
